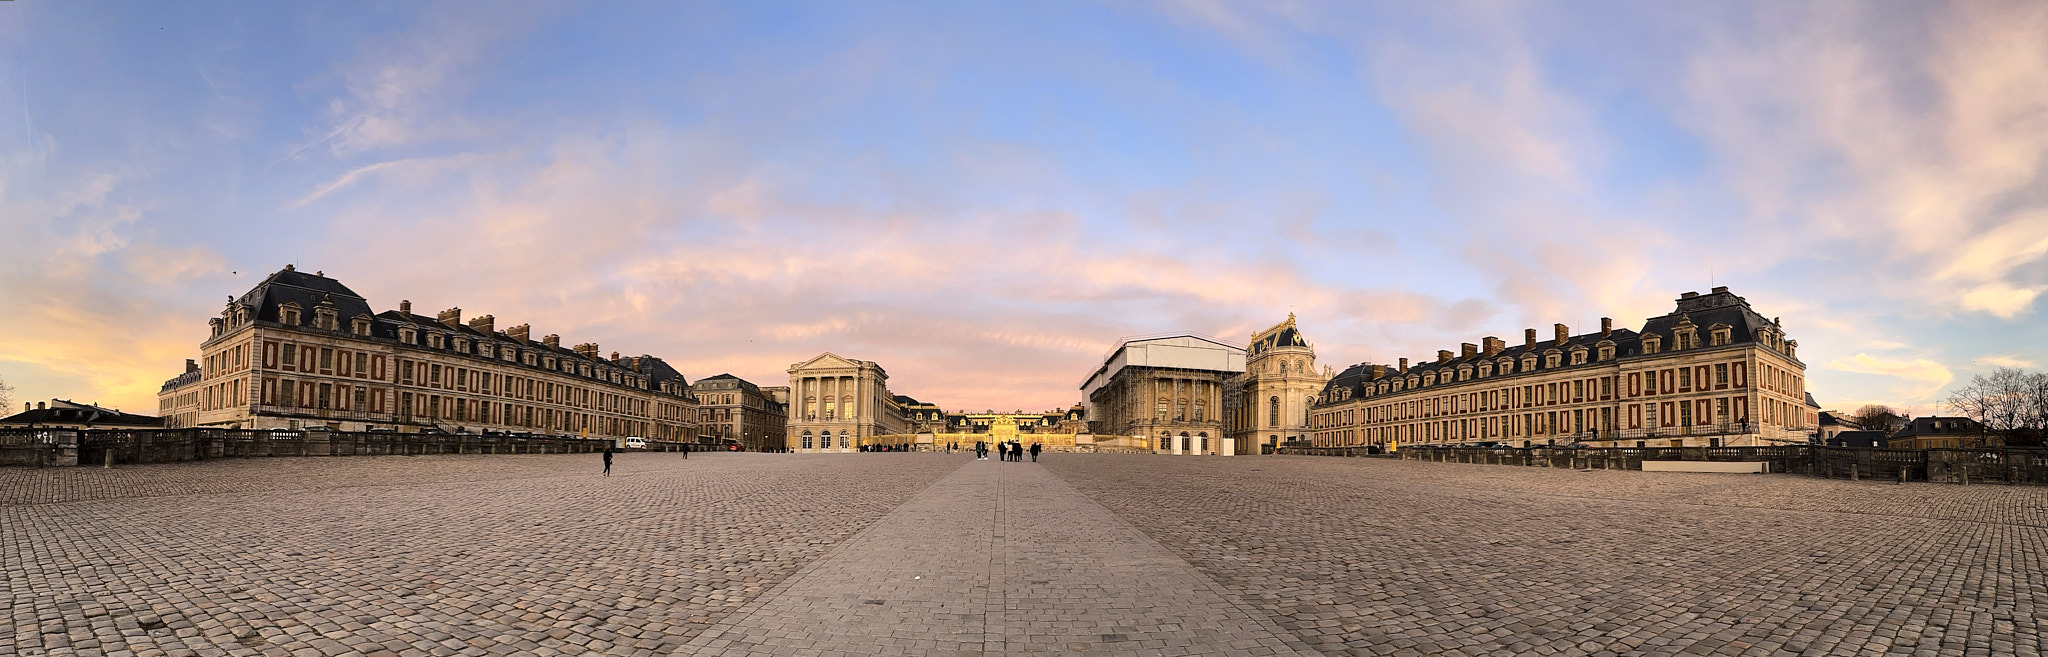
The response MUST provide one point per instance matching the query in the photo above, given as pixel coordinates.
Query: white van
(634, 442)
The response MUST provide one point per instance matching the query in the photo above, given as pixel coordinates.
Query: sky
(985, 197)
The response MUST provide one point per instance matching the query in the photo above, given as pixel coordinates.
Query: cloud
(2005, 361)
(1928, 376)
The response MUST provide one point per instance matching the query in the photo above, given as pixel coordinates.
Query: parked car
(634, 442)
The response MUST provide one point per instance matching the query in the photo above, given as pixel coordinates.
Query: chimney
(1468, 350)
(1443, 355)
(26, 407)
(1563, 334)
(43, 405)
(484, 323)
(452, 317)
(552, 341)
(587, 350)
(1493, 346)
(1379, 372)
(1529, 338)
(1404, 367)
(519, 332)
(405, 306)
(1723, 289)
(1688, 295)
(615, 356)
(191, 365)
(1607, 327)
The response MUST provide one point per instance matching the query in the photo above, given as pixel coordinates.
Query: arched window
(807, 440)
(1283, 368)
(1204, 438)
(1273, 412)
(842, 439)
(825, 440)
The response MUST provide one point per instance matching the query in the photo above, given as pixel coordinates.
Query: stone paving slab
(1380, 557)
(476, 555)
(996, 559)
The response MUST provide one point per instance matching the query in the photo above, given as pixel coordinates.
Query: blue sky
(983, 197)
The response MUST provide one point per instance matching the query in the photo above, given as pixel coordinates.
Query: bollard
(1965, 474)
(1902, 474)
(110, 461)
(1855, 472)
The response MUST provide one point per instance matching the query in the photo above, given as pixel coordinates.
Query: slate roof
(1858, 439)
(67, 412)
(1925, 426)
(292, 286)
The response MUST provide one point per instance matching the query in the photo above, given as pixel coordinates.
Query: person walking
(607, 460)
(1035, 448)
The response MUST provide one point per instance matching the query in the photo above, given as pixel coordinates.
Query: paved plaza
(923, 554)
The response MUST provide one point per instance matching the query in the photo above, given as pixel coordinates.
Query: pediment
(826, 360)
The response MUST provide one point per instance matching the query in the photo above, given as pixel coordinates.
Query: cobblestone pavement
(431, 555)
(997, 558)
(1081, 554)
(1377, 557)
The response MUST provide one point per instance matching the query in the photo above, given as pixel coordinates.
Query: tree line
(2010, 402)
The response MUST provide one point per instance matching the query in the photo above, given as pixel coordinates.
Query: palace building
(1167, 391)
(1711, 373)
(736, 412)
(302, 350)
(1268, 405)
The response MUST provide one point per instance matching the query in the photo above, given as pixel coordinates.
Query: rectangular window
(1650, 414)
(434, 375)
(1684, 414)
(326, 361)
(1578, 391)
(285, 392)
(1685, 379)
(291, 357)
(1606, 388)
(362, 365)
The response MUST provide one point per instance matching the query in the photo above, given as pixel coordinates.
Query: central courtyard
(934, 554)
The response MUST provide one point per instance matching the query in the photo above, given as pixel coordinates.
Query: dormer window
(529, 360)
(551, 362)
(436, 341)
(1528, 363)
(1578, 356)
(1550, 360)
(1485, 370)
(1719, 334)
(1606, 352)
(1651, 344)
(360, 326)
(289, 315)
(483, 350)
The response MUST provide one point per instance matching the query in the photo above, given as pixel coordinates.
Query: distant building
(1711, 373)
(838, 402)
(1269, 403)
(1829, 424)
(67, 414)
(1168, 390)
(734, 411)
(1856, 438)
(1929, 432)
(302, 350)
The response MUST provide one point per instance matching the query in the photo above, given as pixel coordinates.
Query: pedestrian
(980, 451)
(1016, 452)
(607, 460)
(1034, 452)
(686, 451)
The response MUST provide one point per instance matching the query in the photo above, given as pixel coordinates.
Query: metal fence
(58, 447)
(2007, 465)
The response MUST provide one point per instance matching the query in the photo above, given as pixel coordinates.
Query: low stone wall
(2008, 465)
(37, 447)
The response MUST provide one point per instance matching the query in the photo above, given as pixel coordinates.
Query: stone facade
(839, 401)
(1167, 391)
(736, 412)
(1268, 405)
(1711, 373)
(302, 350)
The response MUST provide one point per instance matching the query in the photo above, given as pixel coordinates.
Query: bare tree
(6, 398)
(2002, 402)
(1878, 417)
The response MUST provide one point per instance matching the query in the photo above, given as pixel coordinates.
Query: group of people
(1009, 451)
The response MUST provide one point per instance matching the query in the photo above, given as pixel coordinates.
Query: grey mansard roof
(268, 298)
